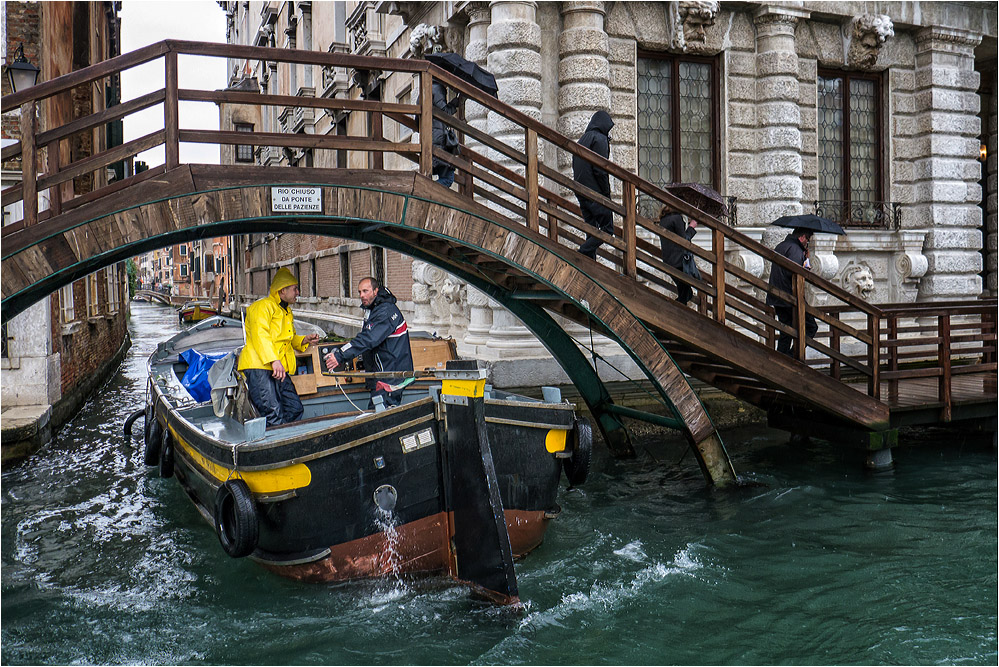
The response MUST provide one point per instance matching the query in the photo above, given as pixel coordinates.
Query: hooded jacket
(597, 140)
(383, 343)
(780, 277)
(270, 330)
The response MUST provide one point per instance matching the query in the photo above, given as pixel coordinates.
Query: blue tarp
(196, 377)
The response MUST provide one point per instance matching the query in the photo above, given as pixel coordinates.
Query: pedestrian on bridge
(597, 139)
(267, 360)
(673, 255)
(443, 135)
(795, 248)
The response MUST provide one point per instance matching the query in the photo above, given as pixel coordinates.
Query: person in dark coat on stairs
(672, 221)
(597, 139)
(444, 135)
(383, 343)
(795, 248)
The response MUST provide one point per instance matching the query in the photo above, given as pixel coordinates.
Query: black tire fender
(131, 420)
(166, 455)
(236, 520)
(577, 466)
(154, 440)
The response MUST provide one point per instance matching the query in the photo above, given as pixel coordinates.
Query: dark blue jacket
(383, 343)
(780, 277)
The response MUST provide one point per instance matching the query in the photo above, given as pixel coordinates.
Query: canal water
(813, 562)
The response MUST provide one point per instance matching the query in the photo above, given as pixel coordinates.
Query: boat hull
(315, 497)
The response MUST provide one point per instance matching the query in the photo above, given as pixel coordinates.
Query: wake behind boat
(459, 479)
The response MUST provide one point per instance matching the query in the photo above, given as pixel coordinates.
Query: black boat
(348, 493)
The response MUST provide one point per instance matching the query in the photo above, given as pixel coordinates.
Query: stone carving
(686, 21)
(859, 279)
(427, 39)
(454, 292)
(870, 32)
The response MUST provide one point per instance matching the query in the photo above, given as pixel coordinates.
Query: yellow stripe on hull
(279, 480)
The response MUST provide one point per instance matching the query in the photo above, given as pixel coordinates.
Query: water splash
(388, 523)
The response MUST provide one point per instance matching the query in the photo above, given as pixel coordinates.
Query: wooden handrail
(529, 195)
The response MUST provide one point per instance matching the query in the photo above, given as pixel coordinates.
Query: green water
(816, 562)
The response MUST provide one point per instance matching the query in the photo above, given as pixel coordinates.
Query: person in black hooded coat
(383, 343)
(597, 139)
(795, 248)
(444, 135)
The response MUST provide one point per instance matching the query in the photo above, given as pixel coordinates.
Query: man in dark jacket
(443, 135)
(672, 221)
(597, 139)
(383, 343)
(795, 248)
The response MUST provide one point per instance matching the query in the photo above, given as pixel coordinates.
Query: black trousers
(600, 217)
(785, 342)
(277, 401)
(684, 292)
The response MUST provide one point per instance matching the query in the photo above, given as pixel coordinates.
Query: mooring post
(481, 542)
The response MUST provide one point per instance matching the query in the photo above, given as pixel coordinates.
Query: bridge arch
(402, 211)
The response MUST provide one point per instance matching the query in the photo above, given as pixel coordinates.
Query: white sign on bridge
(296, 199)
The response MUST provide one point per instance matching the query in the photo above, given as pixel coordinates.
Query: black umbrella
(705, 198)
(466, 70)
(810, 221)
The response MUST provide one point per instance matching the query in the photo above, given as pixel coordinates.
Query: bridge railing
(513, 177)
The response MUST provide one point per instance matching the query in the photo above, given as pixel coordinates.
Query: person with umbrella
(673, 255)
(795, 248)
(597, 139)
(443, 135)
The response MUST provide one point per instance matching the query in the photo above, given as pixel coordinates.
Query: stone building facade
(881, 115)
(61, 349)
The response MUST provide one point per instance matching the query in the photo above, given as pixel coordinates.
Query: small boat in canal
(196, 311)
(460, 479)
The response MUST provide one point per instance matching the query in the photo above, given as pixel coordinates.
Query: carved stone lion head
(859, 279)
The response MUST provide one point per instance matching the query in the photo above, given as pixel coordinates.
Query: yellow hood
(283, 278)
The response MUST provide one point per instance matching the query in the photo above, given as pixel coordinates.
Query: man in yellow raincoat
(268, 358)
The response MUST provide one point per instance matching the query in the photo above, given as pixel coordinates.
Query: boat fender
(236, 518)
(166, 455)
(131, 420)
(577, 466)
(154, 438)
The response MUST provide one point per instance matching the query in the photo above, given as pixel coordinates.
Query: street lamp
(21, 73)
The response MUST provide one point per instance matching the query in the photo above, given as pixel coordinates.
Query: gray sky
(145, 23)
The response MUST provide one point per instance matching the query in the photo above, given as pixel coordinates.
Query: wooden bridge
(511, 230)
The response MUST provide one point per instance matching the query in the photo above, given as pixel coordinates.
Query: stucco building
(881, 115)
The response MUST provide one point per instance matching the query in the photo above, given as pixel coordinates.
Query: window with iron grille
(378, 264)
(849, 145)
(244, 152)
(678, 105)
(5, 352)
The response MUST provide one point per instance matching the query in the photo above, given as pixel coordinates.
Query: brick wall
(93, 340)
(23, 26)
(328, 275)
(399, 275)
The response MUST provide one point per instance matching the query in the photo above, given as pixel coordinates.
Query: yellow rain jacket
(270, 331)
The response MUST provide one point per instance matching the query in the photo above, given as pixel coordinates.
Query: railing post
(893, 355)
(718, 246)
(943, 355)
(171, 111)
(29, 163)
(531, 178)
(377, 157)
(426, 125)
(799, 314)
(874, 356)
(630, 202)
(834, 364)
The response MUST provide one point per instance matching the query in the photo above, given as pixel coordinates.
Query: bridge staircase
(511, 229)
